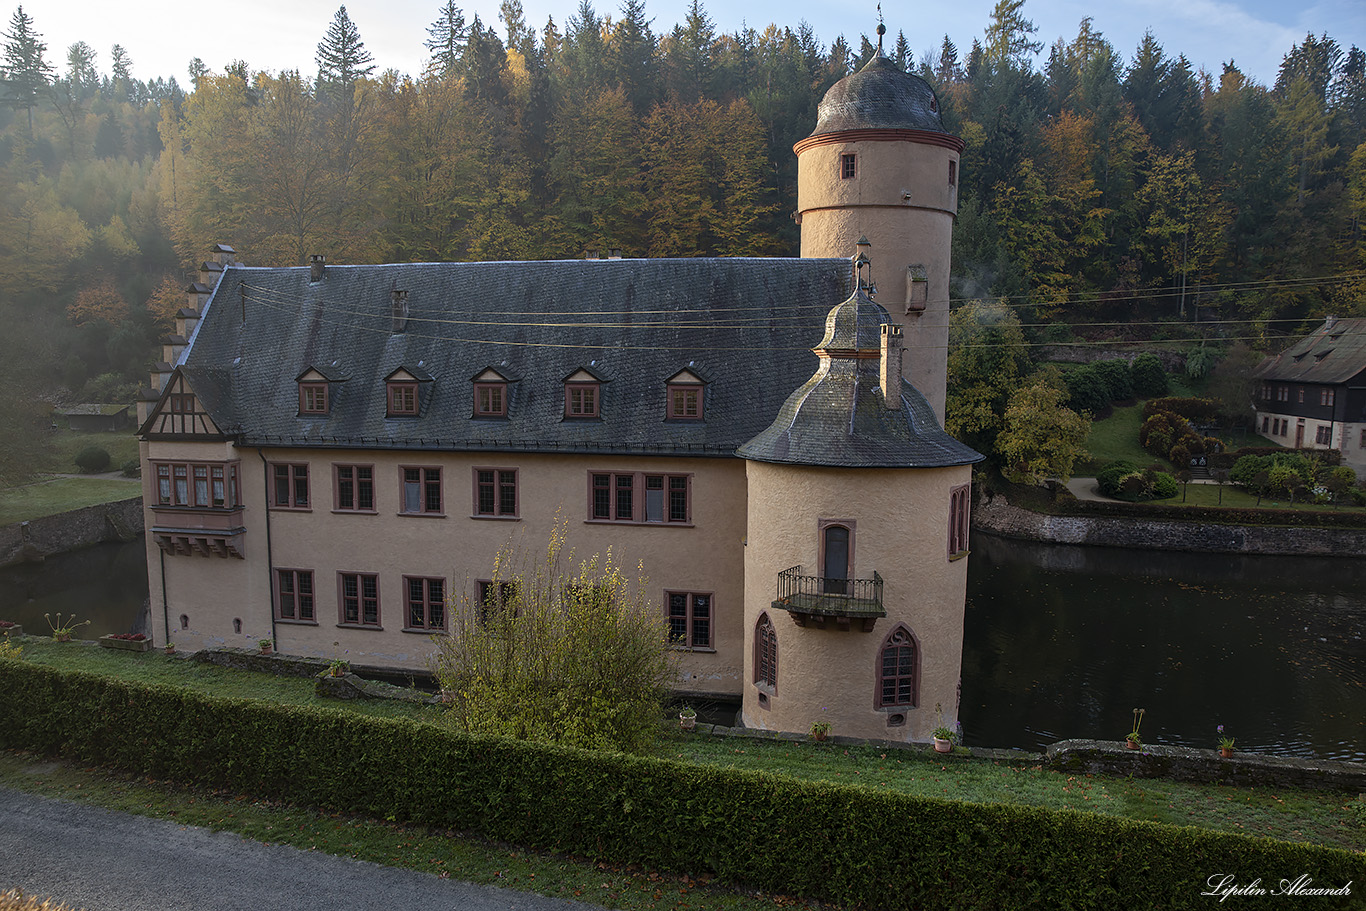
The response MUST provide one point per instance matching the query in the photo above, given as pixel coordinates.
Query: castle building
(331, 453)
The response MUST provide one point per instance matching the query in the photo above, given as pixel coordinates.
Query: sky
(162, 36)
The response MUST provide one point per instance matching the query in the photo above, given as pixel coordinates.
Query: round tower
(857, 526)
(881, 166)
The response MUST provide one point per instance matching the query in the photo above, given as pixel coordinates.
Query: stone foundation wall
(48, 535)
(1113, 758)
(998, 517)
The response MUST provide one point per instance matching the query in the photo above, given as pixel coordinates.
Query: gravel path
(100, 860)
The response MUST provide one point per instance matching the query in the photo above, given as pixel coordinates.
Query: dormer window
(403, 392)
(402, 399)
(312, 398)
(490, 394)
(315, 389)
(582, 395)
(684, 397)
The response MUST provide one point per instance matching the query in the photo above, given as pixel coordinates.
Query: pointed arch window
(897, 669)
(766, 654)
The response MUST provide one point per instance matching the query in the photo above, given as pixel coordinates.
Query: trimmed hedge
(1213, 515)
(839, 843)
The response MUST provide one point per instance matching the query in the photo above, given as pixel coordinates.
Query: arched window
(765, 653)
(897, 669)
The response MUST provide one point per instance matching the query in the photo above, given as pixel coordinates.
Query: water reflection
(106, 585)
(1065, 641)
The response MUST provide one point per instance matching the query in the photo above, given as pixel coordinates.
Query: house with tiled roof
(332, 453)
(1313, 394)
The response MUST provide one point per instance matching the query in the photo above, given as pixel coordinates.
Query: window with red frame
(181, 403)
(197, 485)
(289, 487)
(765, 653)
(313, 398)
(421, 491)
(1326, 396)
(685, 402)
(496, 599)
(355, 488)
(689, 619)
(581, 400)
(959, 504)
(640, 497)
(402, 399)
(359, 599)
(426, 603)
(896, 670)
(490, 400)
(847, 166)
(495, 492)
(294, 596)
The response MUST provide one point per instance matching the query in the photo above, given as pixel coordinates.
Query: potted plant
(1132, 741)
(9, 628)
(338, 667)
(267, 646)
(62, 631)
(820, 729)
(170, 647)
(943, 739)
(1225, 744)
(687, 718)
(131, 642)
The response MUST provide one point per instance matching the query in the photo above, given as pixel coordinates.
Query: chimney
(889, 368)
(399, 311)
(615, 254)
(224, 255)
(197, 294)
(917, 289)
(1330, 321)
(209, 273)
(316, 264)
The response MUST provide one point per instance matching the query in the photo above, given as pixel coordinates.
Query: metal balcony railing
(829, 597)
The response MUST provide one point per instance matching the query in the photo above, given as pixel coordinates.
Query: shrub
(1117, 378)
(1086, 392)
(575, 658)
(92, 459)
(132, 468)
(1148, 375)
(1193, 409)
(1164, 486)
(1108, 478)
(851, 846)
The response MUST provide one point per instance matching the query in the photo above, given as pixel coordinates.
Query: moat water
(1061, 641)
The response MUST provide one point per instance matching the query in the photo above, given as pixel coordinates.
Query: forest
(1113, 194)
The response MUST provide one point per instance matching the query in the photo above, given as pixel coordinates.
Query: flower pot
(14, 630)
(1132, 744)
(170, 649)
(1226, 752)
(687, 722)
(820, 735)
(943, 745)
(62, 637)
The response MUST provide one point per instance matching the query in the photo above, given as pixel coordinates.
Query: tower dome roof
(879, 97)
(840, 418)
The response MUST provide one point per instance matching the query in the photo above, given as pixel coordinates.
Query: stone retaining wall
(998, 517)
(48, 535)
(1102, 757)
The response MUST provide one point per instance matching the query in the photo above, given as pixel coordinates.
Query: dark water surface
(1061, 641)
(1066, 641)
(105, 584)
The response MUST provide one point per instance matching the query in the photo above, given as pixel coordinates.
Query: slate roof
(879, 97)
(839, 418)
(1334, 353)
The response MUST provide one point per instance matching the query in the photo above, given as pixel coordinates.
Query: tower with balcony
(857, 528)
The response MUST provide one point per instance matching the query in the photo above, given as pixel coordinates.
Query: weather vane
(881, 29)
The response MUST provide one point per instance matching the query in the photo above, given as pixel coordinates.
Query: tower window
(847, 166)
(953, 173)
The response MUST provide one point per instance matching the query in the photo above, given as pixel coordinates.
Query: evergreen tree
(446, 41)
(633, 57)
(1007, 36)
(342, 58)
(514, 21)
(693, 57)
(24, 73)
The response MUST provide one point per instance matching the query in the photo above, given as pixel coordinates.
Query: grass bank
(47, 498)
(1313, 817)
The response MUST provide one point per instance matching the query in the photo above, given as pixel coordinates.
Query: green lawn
(46, 498)
(64, 444)
(1116, 437)
(1317, 817)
